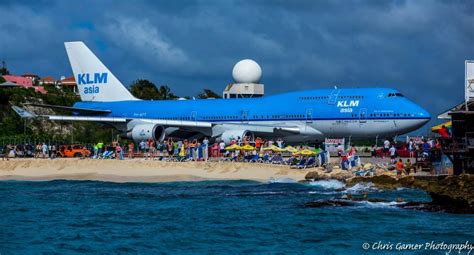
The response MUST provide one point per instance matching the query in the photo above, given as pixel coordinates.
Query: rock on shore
(453, 193)
(333, 174)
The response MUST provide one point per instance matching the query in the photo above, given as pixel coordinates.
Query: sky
(418, 47)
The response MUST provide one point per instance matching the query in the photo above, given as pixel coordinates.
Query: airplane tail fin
(94, 80)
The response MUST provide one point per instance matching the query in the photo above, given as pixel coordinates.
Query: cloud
(417, 47)
(145, 40)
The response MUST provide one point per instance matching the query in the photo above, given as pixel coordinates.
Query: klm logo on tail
(88, 78)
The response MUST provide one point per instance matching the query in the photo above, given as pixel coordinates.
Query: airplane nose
(423, 114)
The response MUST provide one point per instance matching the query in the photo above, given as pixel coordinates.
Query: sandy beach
(140, 170)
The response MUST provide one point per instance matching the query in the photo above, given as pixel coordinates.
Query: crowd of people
(188, 150)
(41, 150)
(203, 150)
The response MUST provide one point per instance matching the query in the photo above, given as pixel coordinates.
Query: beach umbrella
(233, 147)
(317, 150)
(291, 149)
(307, 152)
(273, 148)
(436, 128)
(247, 148)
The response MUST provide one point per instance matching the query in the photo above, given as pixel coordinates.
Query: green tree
(207, 93)
(146, 90)
(4, 71)
(165, 93)
(2, 80)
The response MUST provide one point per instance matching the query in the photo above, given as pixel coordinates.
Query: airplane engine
(228, 135)
(147, 131)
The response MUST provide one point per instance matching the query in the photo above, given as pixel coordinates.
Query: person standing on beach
(386, 148)
(280, 143)
(411, 148)
(170, 148)
(221, 149)
(399, 167)
(100, 146)
(130, 150)
(205, 149)
(408, 167)
(258, 142)
(340, 150)
(393, 153)
(37, 150)
(151, 146)
(118, 151)
(141, 146)
(53, 151)
(44, 150)
(6, 151)
(373, 151)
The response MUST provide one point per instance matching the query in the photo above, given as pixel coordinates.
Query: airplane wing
(194, 125)
(70, 109)
(170, 123)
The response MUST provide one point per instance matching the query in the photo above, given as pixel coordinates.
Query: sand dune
(139, 170)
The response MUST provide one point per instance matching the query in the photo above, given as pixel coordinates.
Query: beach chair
(265, 159)
(300, 164)
(254, 159)
(310, 163)
(291, 161)
(277, 159)
(107, 154)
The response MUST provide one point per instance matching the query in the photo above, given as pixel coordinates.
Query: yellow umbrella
(307, 152)
(273, 148)
(233, 147)
(291, 149)
(435, 129)
(247, 148)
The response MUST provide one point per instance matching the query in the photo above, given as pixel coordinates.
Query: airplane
(301, 116)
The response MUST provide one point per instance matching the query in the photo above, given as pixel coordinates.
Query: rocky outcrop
(453, 193)
(328, 174)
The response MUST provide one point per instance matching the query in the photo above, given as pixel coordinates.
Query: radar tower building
(246, 74)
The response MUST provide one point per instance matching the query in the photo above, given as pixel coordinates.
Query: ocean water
(214, 217)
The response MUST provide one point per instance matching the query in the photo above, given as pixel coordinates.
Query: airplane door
(193, 115)
(309, 115)
(245, 116)
(363, 115)
(333, 97)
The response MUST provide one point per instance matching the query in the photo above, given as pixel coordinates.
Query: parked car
(75, 150)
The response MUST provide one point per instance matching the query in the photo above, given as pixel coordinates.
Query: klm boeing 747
(295, 116)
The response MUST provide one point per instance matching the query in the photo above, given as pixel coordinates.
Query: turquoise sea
(216, 217)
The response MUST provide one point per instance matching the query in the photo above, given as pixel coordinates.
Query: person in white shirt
(411, 148)
(393, 152)
(386, 147)
(280, 143)
(44, 150)
(222, 148)
(205, 149)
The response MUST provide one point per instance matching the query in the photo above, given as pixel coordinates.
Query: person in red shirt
(400, 166)
(258, 142)
(444, 132)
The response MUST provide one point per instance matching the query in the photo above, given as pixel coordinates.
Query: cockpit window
(395, 95)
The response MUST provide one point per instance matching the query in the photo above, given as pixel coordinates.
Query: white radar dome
(247, 71)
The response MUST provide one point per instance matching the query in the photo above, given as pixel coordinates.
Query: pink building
(20, 80)
(25, 82)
